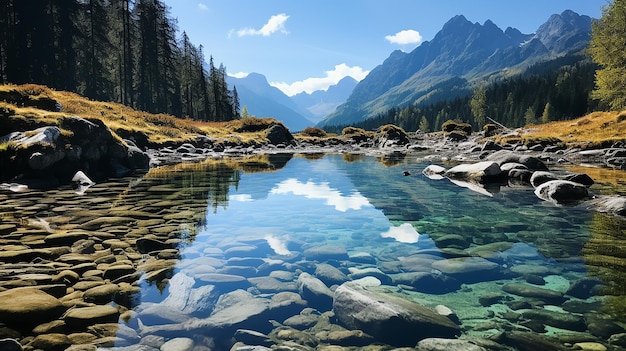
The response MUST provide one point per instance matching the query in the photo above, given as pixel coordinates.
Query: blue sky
(307, 45)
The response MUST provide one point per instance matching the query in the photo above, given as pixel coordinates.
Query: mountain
(263, 100)
(461, 55)
(321, 103)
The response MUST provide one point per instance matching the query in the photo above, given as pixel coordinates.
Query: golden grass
(597, 129)
(159, 128)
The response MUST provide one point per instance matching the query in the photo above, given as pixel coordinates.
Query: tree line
(556, 90)
(126, 51)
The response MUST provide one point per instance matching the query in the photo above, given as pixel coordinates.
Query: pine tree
(608, 49)
(546, 116)
(424, 126)
(479, 106)
(529, 116)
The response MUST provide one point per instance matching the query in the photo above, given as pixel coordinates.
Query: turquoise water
(233, 238)
(370, 219)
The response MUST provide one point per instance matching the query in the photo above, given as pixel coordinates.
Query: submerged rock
(438, 344)
(389, 318)
(526, 290)
(561, 191)
(315, 292)
(27, 307)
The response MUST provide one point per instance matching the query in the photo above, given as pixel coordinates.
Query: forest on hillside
(559, 89)
(125, 51)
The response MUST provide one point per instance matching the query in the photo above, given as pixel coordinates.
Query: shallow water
(258, 226)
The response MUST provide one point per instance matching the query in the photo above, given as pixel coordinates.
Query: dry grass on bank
(597, 129)
(33, 105)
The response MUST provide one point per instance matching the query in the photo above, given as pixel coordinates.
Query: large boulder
(48, 153)
(28, 307)
(391, 136)
(505, 156)
(278, 134)
(480, 171)
(561, 191)
(389, 318)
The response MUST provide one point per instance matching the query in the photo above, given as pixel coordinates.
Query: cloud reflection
(405, 233)
(311, 190)
(241, 198)
(279, 246)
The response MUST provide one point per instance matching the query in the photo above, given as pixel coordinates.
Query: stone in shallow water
(325, 253)
(427, 282)
(556, 319)
(79, 318)
(438, 344)
(24, 307)
(178, 344)
(469, 269)
(330, 275)
(389, 318)
(525, 290)
(315, 292)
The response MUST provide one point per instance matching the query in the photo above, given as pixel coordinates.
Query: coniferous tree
(608, 49)
(95, 48)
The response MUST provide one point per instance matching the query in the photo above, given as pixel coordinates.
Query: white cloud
(238, 74)
(405, 233)
(333, 197)
(202, 7)
(322, 83)
(275, 24)
(405, 37)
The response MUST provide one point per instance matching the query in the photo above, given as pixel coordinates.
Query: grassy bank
(26, 107)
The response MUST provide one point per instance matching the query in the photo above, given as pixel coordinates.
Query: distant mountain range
(460, 55)
(321, 103)
(296, 112)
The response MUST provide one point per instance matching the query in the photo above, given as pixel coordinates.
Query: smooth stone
(475, 171)
(301, 322)
(147, 245)
(556, 319)
(315, 292)
(469, 269)
(426, 282)
(236, 309)
(24, 307)
(561, 191)
(527, 341)
(358, 273)
(271, 285)
(347, 338)
(434, 172)
(438, 344)
(584, 288)
(55, 341)
(326, 253)
(330, 275)
(187, 299)
(118, 271)
(56, 326)
(79, 318)
(525, 290)
(589, 346)
(389, 318)
(601, 326)
(65, 239)
(178, 344)
(101, 294)
(505, 156)
(540, 177)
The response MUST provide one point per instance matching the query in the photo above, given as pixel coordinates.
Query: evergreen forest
(125, 51)
(559, 89)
